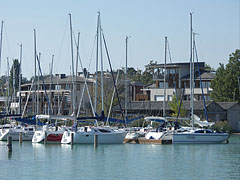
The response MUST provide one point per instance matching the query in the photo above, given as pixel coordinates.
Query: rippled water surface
(123, 161)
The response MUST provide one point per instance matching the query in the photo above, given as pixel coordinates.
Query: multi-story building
(59, 90)
(178, 78)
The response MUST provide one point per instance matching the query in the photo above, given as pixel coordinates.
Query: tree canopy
(226, 87)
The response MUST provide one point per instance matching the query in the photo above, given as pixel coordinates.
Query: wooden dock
(142, 140)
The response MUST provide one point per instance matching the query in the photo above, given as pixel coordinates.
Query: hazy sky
(146, 21)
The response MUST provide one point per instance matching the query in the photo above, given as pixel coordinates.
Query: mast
(1, 36)
(73, 78)
(14, 83)
(50, 87)
(126, 86)
(8, 91)
(35, 70)
(164, 84)
(96, 78)
(191, 70)
(101, 66)
(77, 52)
(38, 82)
(19, 81)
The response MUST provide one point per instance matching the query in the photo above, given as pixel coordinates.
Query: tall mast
(1, 37)
(126, 86)
(38, 82)
(19, 81)
(96, 77)
(50, 87)
(73, 81)
(8, 91)
(35, 71)
(100, 35)
(77, 53)
(164, 83)
(191, 69)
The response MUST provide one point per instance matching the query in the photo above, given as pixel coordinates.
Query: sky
(146, 22)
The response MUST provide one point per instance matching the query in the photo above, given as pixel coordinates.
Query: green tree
(14, 73)
(226, 84)
(174, 105)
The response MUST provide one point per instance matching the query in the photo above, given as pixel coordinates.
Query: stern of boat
(66, 138)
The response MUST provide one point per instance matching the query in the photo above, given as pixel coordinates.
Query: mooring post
(20, 137)
(72, 138)
(45, 139)
(9, 143)
(95, 140)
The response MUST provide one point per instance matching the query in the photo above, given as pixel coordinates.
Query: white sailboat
(14, 132)
(85, 135)
(196, 135)
(52, 133)
(159, 132)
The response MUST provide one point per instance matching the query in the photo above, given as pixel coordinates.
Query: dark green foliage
(222, 126)
(174, 104)
(15, 69)
(226, 84)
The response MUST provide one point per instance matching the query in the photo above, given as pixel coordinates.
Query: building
(177, 79)
(59, 90)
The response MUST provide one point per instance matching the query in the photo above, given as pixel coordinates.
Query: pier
(143, 140)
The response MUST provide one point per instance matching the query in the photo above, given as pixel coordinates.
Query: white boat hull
(189, 137)
(26, 136)
(154, 135)
(88, 138)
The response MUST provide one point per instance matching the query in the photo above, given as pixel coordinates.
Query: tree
(14, 74)
(174, 105)
(226, 84)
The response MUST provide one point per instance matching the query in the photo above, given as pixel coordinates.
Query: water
(123, 161)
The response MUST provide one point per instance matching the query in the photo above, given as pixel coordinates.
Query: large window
(159, 98)
(161, 85)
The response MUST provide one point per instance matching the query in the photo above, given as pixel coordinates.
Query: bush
(222, 126)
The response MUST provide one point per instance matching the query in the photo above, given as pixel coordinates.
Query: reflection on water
(122, 161)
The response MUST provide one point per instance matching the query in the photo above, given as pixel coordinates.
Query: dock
(143, 140)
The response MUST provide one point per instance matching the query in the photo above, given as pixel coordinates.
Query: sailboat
(161, 130)
(196, 135)
(85, 135)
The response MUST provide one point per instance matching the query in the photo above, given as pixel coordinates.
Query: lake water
(123, 161)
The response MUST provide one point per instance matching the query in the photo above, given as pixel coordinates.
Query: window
(169, 97)
(158, 98)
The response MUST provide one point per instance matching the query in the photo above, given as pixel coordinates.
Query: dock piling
(20, 137)
(72, 138)
(95, 140)
(45, 139)
(9, 143)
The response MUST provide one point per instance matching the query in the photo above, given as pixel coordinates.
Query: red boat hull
(54, 137)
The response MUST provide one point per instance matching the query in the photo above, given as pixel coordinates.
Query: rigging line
(170, 58)
(205, 109)
(179, 107)
(44, 85)
(6, 37)
(105, 44)
(85, 82)
(61, 44)
(113, 95)
(25, 106)
(1, 35)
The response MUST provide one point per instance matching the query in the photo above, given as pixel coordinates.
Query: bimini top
(155, 119)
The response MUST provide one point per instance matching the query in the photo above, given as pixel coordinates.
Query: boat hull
(52, 137)
(88, 138)
(26, 136)
(180, 138)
